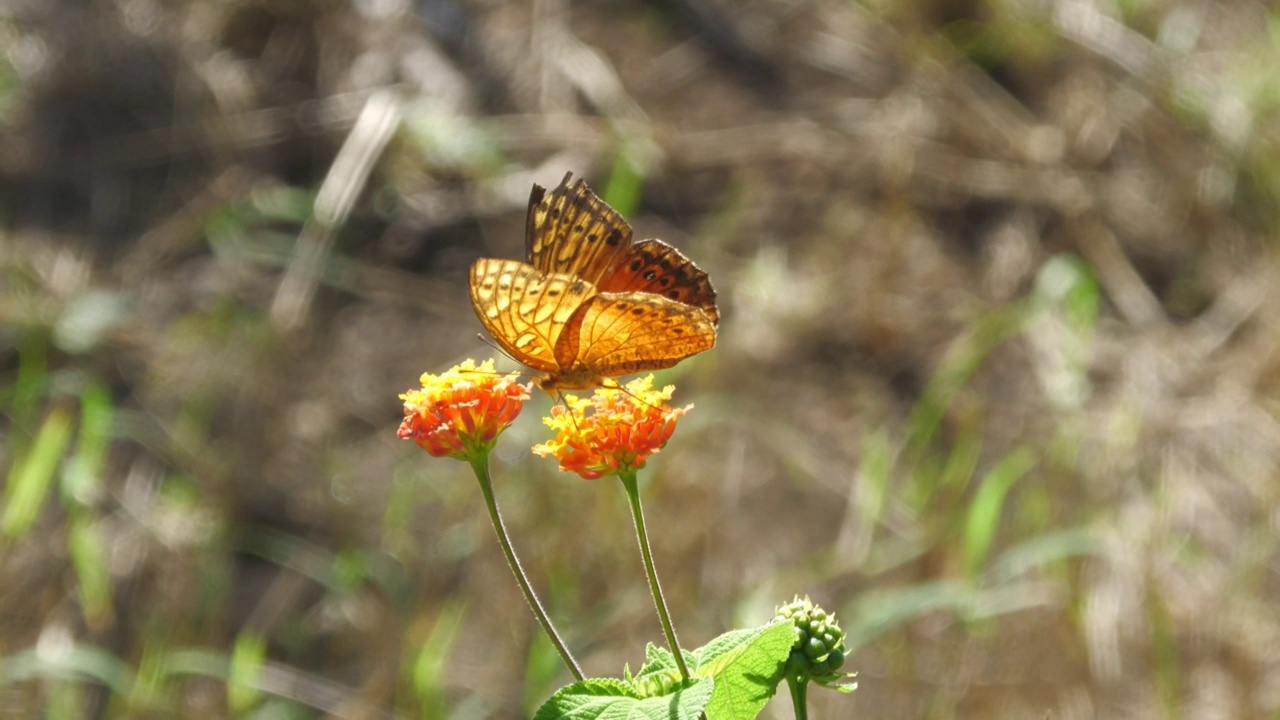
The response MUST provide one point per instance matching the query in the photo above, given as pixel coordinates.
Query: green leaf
(745, 664)
(610, 699)
(657, 659)
(747, 667)
(31, 479)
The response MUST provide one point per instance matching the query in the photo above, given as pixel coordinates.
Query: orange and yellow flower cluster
(461, 412)
(621, 430)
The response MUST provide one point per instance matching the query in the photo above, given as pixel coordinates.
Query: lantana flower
(614, 433)
(461, 412)
(623, 428)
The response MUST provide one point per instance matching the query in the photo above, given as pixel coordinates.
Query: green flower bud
(657, 684)
(818, 650)
(815, 649)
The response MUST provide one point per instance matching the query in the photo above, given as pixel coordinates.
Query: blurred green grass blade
(626, 181)
(987, 603)
(10, 89)
(31, 478)
(958, 367)
(1166, 657)
(204, 663)
(284, 203)
(291, 551)
(879, 612)
(962, 462)
(1083, 296)
(352, 568)
(161, 673)
(398, 517)
(82, 479)
(74, 662)
(983, 520)
(245, 674)
(250, 231)
(93, 582)
(23, 399)
(1043, 550)
(432, 660)
(875, 468)
(66, 700)
(939, 479)
(149, 689)
(542, 668)
(33, 370)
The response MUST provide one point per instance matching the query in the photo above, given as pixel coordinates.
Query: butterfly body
(591, 305)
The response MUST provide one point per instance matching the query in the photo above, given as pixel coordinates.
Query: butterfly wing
(526, 310)
(614, 334)
(591, 304)
(653, 266)
(571, 231)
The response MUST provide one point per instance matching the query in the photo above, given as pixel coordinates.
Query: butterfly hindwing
(525, 309)
(653, 266)
(571, 231)
(592, 305)
(616, 334)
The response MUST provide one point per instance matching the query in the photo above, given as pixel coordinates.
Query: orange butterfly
(591, 305)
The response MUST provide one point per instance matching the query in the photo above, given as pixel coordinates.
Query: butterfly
(591, 304)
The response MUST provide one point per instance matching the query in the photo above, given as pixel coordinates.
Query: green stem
(628, 478)
(480, 463)
(799, 697)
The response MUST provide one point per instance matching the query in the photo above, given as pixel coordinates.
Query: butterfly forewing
(615, 334)
(591, 304)
(525, 309)
(570, 230)
(653, 266)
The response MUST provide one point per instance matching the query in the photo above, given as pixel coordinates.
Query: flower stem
(480, 463)
(799, 696)
(628, 478)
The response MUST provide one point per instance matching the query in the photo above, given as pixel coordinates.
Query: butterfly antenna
(491, 344)
(622, 389)
(504, 353)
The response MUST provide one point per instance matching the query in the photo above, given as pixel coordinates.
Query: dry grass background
(996, 381)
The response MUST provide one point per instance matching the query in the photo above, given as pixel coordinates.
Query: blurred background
(997, 379)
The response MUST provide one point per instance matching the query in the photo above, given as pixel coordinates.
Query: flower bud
(818, 650)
